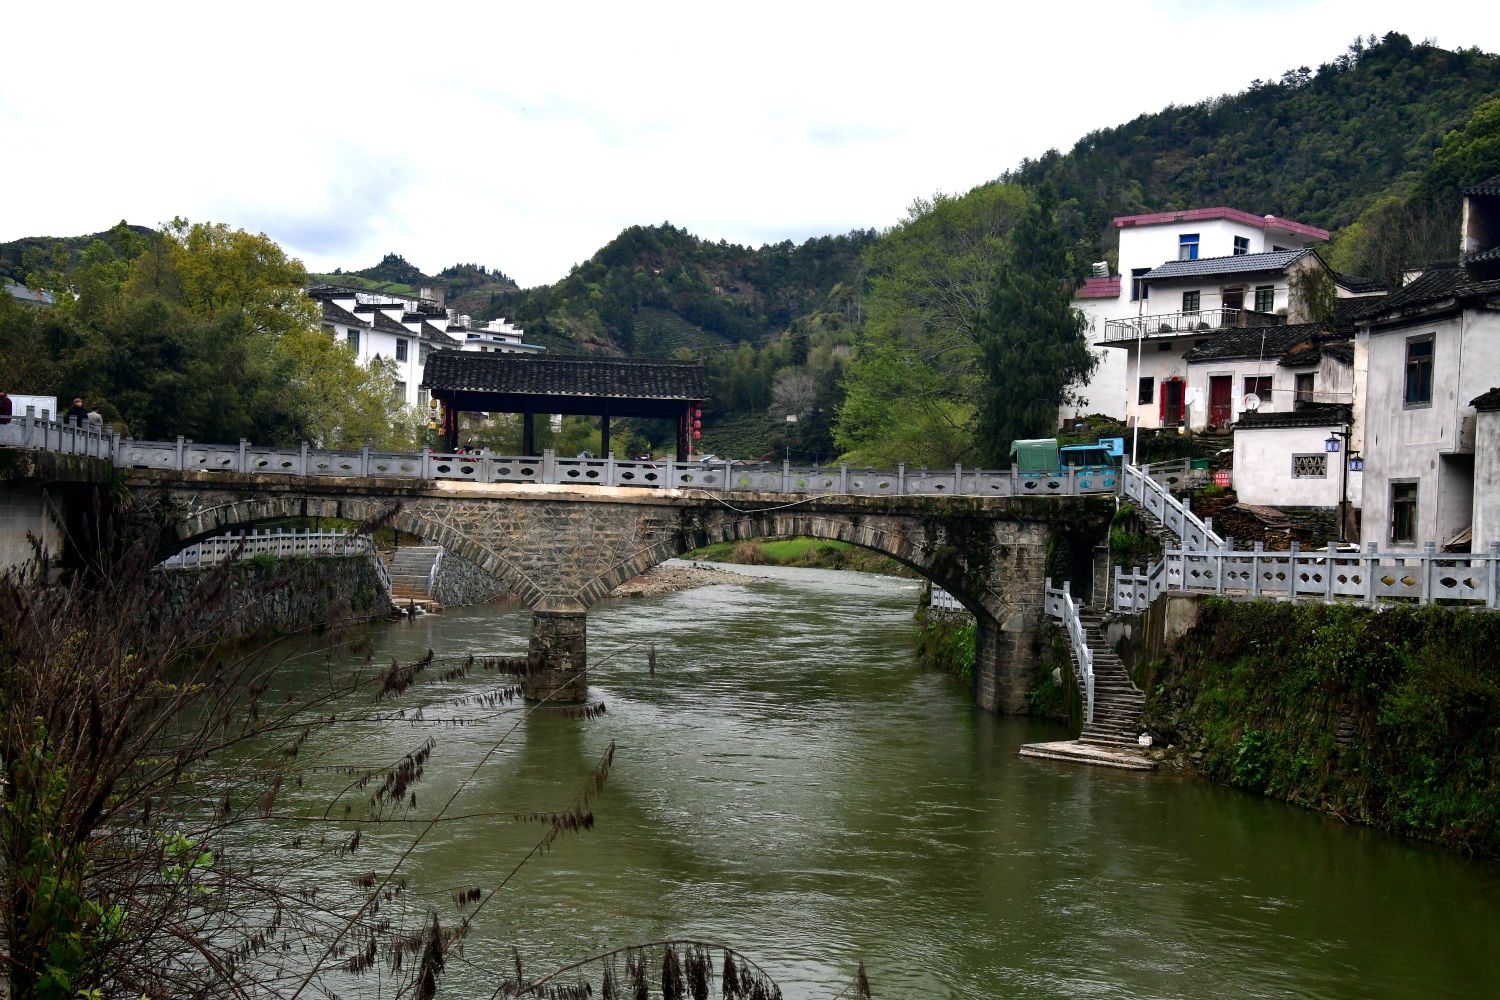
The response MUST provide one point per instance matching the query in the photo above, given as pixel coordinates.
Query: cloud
(525, 136)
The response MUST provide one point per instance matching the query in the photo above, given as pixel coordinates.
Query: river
(790, 782)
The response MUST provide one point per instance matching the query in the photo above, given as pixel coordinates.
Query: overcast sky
(524, 136)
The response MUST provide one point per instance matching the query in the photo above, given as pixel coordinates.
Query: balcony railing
(1177, 324)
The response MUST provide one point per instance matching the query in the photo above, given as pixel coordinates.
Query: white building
(405, 331)
(1431, 362)
(1171, 345)
(1146, 243)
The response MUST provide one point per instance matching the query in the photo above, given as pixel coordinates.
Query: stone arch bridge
(561, 549)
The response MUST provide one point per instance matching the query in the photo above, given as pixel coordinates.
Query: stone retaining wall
(461, 583)
(280, 597)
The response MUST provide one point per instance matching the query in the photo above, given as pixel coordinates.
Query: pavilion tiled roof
(1489, 187)
(538, 375)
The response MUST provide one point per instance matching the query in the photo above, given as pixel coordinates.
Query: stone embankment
(279, 597)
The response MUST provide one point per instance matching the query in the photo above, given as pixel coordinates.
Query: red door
(1171, 401)
(1220, 400)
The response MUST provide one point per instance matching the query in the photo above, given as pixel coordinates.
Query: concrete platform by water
(1074, 752)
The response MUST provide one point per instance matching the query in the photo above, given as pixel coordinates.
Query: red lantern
(697, 435)
(697, 424)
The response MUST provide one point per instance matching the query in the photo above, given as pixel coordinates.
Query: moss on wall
(948, 642)
(1385, 717)
(1054, 693)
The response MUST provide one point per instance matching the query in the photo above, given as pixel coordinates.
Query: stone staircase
(411, 576)
(1117, 701)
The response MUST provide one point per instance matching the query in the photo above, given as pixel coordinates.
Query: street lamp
(1337, 442)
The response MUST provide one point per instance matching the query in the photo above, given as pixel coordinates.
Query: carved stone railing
(1059, 604)
(183, 455)
(1370, 577)
(278, 544)
(1196, 534)
(26, 431)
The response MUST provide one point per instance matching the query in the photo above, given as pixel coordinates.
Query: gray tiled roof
(1307, 415)
(1435, 287)
(335, 313)
(1341, 351)
(537, 375)
(1276, 260)
(1256, 342)
(1488, 401)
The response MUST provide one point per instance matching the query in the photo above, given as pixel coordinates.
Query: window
(1277, 249)
(401, 391)
(1310, 466)
(1147, 391)
(1190, 302)
(400, 349)
(1404, 512)
(1165, 345)
(423, 397)
(1187, 246)
(1419, 371)
(1265, 298)
(1259, 385)
(1241, 245)
(422, 351)
(1139, 289)
(352, 336)
(1305, 385)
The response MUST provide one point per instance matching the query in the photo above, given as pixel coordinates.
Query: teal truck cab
(1042, 456)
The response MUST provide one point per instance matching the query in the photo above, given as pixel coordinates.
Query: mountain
(470, 288)
(1319, 147)
(656, 290)
(58, 252)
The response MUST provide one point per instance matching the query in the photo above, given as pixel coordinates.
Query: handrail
(1196, 533)
(548, 468)
(432, 572)
(1370, 577)
(1060, 604)
(280, 543)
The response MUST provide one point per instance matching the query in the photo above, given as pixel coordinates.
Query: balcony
(1124, 332)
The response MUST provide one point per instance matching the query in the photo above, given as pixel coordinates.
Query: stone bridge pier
(561, 549)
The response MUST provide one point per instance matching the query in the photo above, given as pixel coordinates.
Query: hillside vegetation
(1316, 146)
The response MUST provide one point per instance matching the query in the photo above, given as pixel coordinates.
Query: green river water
(792, 783)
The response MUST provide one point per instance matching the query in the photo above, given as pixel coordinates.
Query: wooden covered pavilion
(531, 384)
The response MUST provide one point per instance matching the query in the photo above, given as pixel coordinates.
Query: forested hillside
(1316, 146)
(60, 254)
(655, 290)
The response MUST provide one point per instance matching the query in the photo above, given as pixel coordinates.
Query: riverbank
(671, 577)
(1388, 718)
(806, 553)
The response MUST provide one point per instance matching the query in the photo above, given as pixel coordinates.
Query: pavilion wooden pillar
(682, 432)
(604, 433)
(528, 434)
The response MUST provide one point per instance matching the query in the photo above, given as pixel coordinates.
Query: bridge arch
(932, 562)
(238, 514)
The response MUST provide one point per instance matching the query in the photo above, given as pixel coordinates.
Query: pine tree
(1031, 342)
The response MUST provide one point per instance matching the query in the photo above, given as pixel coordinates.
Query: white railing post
(1492, 599)
(549, 466)
(1429, 568)
(178, 465)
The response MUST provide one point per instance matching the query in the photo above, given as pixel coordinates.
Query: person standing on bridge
(5, 406)
(76, 414)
